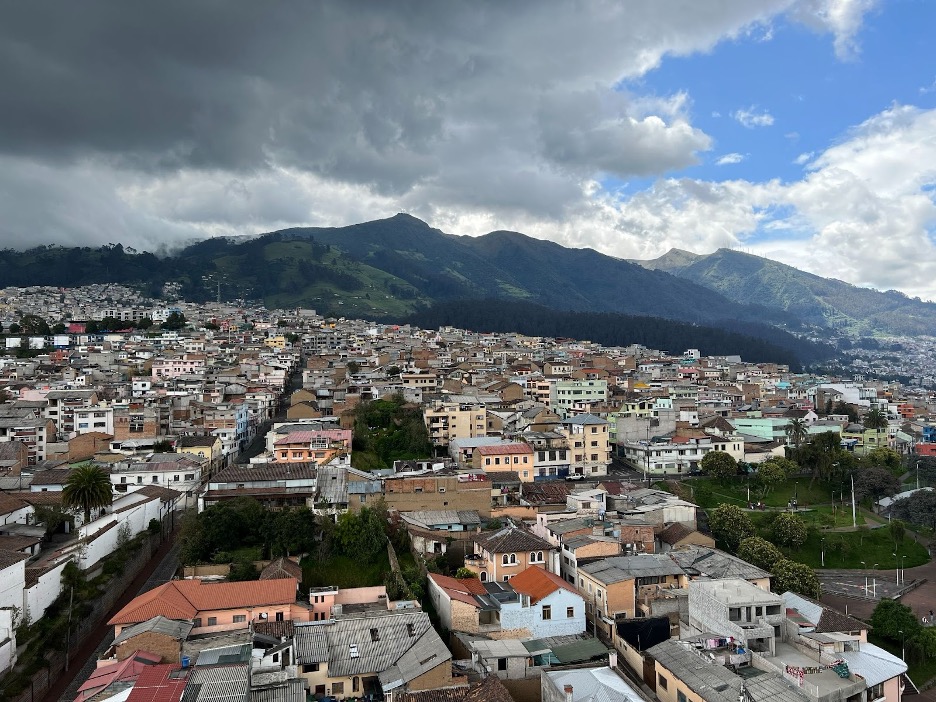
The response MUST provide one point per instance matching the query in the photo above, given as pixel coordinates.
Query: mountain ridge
(823, 302)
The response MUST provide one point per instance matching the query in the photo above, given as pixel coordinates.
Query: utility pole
(854, 515)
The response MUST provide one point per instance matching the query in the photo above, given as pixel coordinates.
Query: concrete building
(736, 608)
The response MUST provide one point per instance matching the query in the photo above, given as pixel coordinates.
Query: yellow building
(453, 420)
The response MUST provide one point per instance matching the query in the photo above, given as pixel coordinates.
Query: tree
(795, 577)
(876, 481)
(875, 419)
(769, 475)
(353, 368)
(897, 530)
(144, 323)
(720, 465)
(33, 325)
(760, 552)
(919, 508)
(730, 525)
(789, 529)
(884, 457)
(797, 430)
(463, 573)
(87, 488)
(242, 570)
(890, 617)
(174, 322)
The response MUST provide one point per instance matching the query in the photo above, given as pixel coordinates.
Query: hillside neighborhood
(353, 510)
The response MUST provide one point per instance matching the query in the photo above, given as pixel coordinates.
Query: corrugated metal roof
(874, 664)
(311, 643)
(237, 653)
(290, 691)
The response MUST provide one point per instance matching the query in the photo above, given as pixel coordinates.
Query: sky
(799, 130)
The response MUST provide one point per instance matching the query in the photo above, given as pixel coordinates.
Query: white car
(575, 476)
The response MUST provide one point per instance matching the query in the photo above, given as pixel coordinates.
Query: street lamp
(822, 552)
(864, 566)
(903, 645)
(897, 565)
(903, 568)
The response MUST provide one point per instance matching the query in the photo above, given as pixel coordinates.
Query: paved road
(159, 570)
(921, 601)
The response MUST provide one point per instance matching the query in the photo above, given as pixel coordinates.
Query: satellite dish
(263, 615)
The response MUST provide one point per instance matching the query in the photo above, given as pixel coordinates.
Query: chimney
(568, 693)
(612, 660)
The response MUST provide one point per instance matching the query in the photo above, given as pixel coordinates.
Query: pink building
(216, 606)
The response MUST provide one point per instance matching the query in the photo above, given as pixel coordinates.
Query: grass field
(709, 492)
(344, 571)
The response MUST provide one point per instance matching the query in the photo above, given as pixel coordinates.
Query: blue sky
(793, 75)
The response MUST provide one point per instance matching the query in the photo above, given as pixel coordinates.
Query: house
(534, 603)
(615, 586)
(704, 562)
(517, 456)
(282, 567)
(589, 445)
(276, 485)
(586, 685)
(216, 606)
(396, 651)
(176, 471)
(206, 448)
(434, 532)
(555, 607)
(678, 535)
(504, 553)
(158, 635)
(736, 608)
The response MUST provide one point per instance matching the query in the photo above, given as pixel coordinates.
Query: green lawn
(847, 549)
(709, 492)
(345, 572)
(918, 672)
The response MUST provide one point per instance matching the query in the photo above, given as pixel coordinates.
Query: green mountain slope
(813, 299)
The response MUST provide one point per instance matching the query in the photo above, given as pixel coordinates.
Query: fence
(80, 630)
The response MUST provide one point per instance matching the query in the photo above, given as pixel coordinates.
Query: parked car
(575, 476)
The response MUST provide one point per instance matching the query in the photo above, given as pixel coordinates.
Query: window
(374, 635)
(338, 689)
(483, 576)
(502, 664)
(570, 612)
(196, 622)
(240, 618)
(155, 479)
(662, 682)
(505, 559)
(212, 621)
(505, 578)
(547, 612)
(680, 696)
(279, 616)
(123, 478)
(310, 668)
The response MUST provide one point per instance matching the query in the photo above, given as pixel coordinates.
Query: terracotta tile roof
(281, 568)
(276, 630)
(461, 589)
(48, 498)
(10, 558)
(54, 476)
(184, 599)
(510, 540)
(501, 449)
(538, 583)
(674, 533)
(247, 473)
(10, 504)
(490, 689)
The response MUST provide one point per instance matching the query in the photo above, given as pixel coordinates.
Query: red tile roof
(125, 670)
(184, 599)
(460, 589)
(501, 449)
(538, 583)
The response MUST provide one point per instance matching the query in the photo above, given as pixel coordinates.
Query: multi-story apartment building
(455, 420)
(589, 445)
(175, 365)
(569, 396)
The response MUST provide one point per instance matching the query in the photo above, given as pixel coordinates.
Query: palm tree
(796, 431)
(87, 487)
(875, 419)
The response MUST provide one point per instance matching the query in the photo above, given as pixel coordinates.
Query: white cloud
(803, 158)
(751, 117)
(729, 159)
(843, 18)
